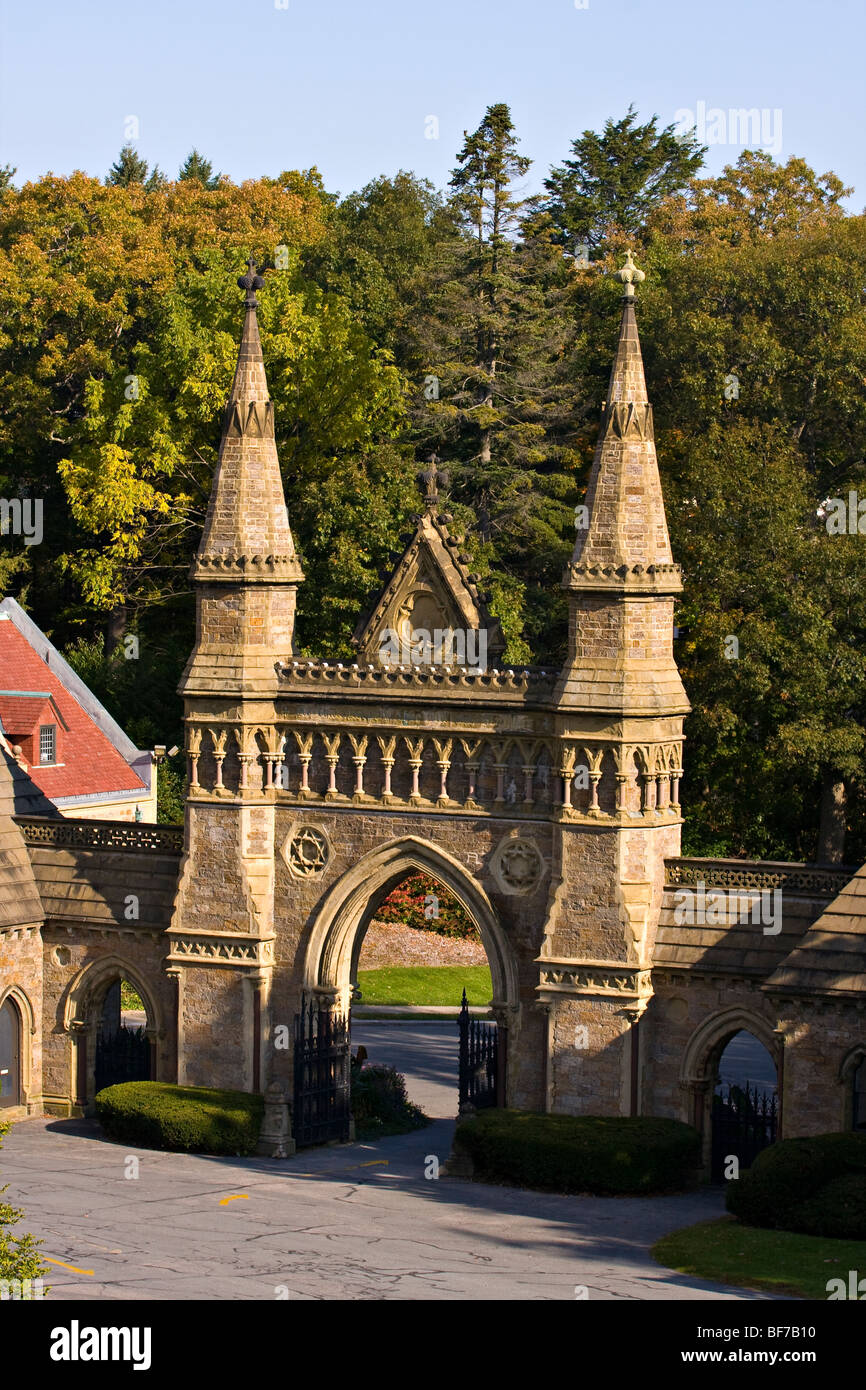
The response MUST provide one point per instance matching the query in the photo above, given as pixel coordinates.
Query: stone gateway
(546, 801)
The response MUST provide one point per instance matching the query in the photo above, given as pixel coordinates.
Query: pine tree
(128, 168)
(7, 174)
(616, 178)
(197, 169)
(156, 179)
(494, 323)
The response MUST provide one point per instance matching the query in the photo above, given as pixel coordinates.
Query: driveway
(359, 1221)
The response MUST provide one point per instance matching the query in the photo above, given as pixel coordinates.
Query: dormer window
(48, 743)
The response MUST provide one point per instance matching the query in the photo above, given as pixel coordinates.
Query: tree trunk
(831, 838)
(116, 628)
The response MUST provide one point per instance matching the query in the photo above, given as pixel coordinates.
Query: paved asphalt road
(426, 1054)
(358, 1221)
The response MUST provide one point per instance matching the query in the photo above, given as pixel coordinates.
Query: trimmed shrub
(580, 1153)
(380, 1105)
(185, 1119)
(815, 1185)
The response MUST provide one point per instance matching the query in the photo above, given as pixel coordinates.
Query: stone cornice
(216, 948)
(225, 568)
(612, 979)
(638, 579)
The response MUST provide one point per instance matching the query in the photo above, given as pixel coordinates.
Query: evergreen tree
(7, 174)
(128, 168)
(156, 179)
(197, 169)
(494, 325)
(615, 179)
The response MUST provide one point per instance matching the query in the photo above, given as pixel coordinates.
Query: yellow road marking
(240, 1197)
(372, 1161)
(74, 1268)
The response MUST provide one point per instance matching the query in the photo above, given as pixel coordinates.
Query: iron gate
(322, 1111)
(744, 1123)
(122, 1054)
(480, 1058)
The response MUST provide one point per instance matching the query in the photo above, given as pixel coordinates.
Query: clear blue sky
(348, 84)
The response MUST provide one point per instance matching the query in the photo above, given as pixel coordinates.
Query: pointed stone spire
(246, 569)
(247, 526)
(620, 655)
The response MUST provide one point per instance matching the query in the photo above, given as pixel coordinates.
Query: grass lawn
(776, 1261)
(425, 984)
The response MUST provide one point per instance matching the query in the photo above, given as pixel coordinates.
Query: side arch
(81, 1011)
(351, 902)
(27, 1035)
(715, 1030)
(702, 1051)
(86, 987)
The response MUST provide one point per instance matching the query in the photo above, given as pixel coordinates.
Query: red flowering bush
(422, 902)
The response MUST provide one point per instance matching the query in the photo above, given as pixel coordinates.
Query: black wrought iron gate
(122, 1054)
(744, 1123)
(481, 1063)
(322, 1056)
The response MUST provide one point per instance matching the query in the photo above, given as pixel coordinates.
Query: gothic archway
(93, 1017)
(350, 905)
(475, 1072)
(699, 1078)
(17, 1031)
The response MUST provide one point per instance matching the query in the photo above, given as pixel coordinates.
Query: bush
(580, 1153)
(379, 1102)
(816, 1186)
(186, 1119)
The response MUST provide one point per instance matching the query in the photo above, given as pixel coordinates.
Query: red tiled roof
(91, 764)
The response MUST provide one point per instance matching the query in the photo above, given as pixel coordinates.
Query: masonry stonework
(547, 801)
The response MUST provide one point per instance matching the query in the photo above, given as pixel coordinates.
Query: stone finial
(252, 281)
(431, 477)
(629, 275)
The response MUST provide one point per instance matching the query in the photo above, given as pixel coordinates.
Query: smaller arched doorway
(113, 1025)
(744, 1105)
(10, 1054)
(122, 1046)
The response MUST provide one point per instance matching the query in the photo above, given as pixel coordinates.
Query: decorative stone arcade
(547, 802)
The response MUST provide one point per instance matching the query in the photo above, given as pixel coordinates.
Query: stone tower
(245, 576)
(620, 706)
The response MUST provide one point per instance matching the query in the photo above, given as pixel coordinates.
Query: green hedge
(585, 1153)
(187, 1119)
(816, 1186)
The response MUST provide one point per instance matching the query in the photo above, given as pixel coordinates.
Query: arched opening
(744, 1102)
(359, 966)
(416, 959)
(11, 1033)
(122, 1047)
(113, 1022)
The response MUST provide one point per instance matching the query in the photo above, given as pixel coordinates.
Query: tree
(197, 169)
(615, 179)
(7, 174)
(128, 168)
(492, 329)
